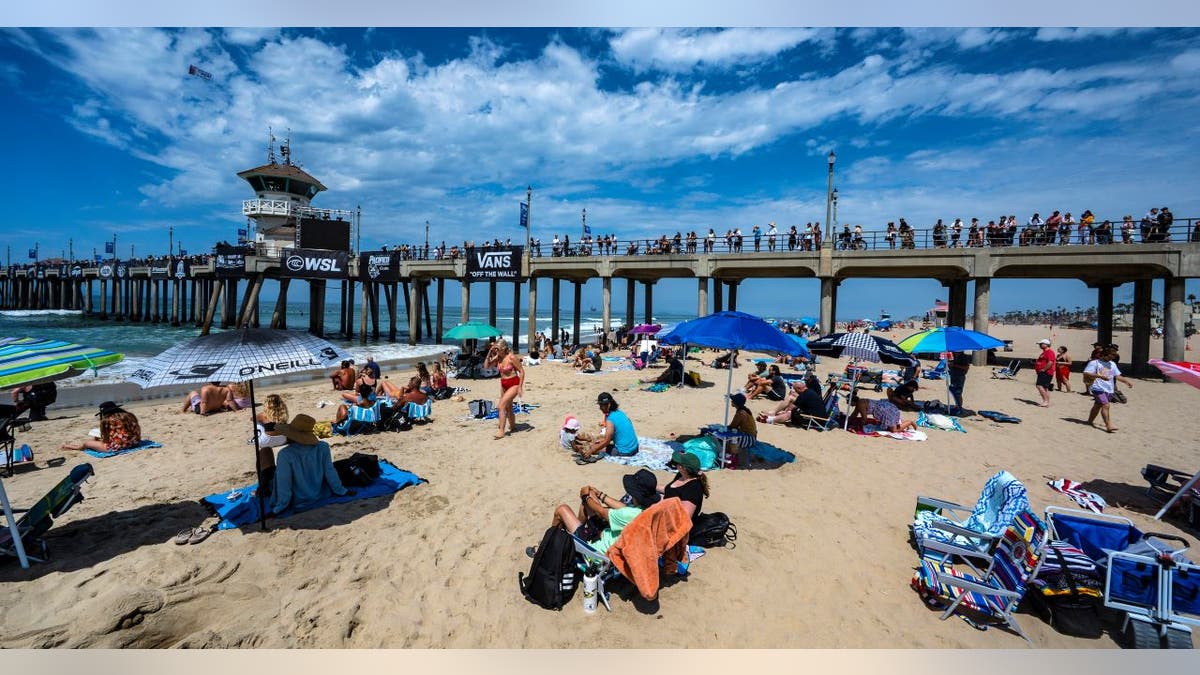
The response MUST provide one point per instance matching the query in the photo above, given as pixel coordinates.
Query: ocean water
(141, 341)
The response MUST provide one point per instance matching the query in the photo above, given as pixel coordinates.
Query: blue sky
(651, 130)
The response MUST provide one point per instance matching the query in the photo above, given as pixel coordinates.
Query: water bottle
(590, 582)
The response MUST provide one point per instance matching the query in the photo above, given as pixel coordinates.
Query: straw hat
(299, 430)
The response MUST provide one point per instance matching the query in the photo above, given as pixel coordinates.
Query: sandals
(193, 535)
(587, 460)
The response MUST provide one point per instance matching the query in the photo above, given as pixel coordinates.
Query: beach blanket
(938, 421)
(769, 453)
(238, 508)
(872, 430)
(613, 358)
(653, 453)
(1084, 498)
(518, 409)
(996, 416)
(140, 446)
(658, 387)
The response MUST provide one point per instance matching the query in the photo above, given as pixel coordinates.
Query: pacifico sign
(382, 266)
(311, 263)
(494, 263)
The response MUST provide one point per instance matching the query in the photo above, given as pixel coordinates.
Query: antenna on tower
(286, 149)
(270, 146)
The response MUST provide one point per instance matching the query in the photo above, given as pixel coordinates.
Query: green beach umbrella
(30, 360)
(472, 330)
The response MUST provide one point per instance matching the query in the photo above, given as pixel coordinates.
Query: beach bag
(358, 470)
(552, 575)
(1118, 396)
(443, 393)
(393, 418)
(713, 530)
(480, 408)
(1070, 596)
(692, 378)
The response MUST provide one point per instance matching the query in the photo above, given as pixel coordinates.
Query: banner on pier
(494, 264)
(229, 261)
(159, 270)
(122, 270)
(76, 271)
(41, 272)
(180, 269)
(312, 263)
(106, 271)
(382, 266)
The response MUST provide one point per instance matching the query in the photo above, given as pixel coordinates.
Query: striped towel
(1084, 498)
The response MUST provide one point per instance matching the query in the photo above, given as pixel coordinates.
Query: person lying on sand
(212, 398)
(880, 413)
(119, 430)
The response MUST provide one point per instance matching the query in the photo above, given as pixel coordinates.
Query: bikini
(508, 378)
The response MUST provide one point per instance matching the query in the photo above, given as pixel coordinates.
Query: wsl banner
(229, 261)
(311, 263)
(494, 264)
(382, 266)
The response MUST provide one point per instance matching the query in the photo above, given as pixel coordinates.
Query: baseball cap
(737, 398)
(1044, 341)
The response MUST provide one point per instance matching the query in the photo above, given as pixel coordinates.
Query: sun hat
(108, 408)
(642, 487)
(571, 423)
(299, 430)
(737, 398)
(687, 460)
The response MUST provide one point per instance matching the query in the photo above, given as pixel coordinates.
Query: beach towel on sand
(659, 531)
(872, 430)
(140, 446)
(653, 453)
(1084, 498)
(237, 508)
(936, 421)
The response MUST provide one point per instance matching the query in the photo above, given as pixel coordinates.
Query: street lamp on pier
(834, 221)
(829, 198)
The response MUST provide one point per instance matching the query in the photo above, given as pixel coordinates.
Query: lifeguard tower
(281, 212)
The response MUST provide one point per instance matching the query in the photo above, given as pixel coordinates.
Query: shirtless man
(210, 399)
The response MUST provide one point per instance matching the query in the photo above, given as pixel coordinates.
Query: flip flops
(587, 460)
(193, 535)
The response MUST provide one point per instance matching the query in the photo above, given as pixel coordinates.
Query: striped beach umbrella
(32, 360)
(948, 339)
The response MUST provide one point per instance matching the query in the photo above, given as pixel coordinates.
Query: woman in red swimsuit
(512, 383)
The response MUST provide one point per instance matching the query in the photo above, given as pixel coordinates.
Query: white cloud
(1077, 34)
(681, 50)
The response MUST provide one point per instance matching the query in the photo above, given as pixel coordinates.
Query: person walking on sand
(512, 383)
(1104, 371)
(1045, 367)
(1062, 374)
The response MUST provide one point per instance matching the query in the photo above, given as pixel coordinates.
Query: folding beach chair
(360, 420)
(40, 517)
(1007, 372)
(833, 414)
(938, 372)
(590, 556)
(989, 592)
(1002, 498)
(420, 414)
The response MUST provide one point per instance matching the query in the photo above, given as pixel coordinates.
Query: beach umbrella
(807, 320)
(802, 343)
(31, 360)
(863, 347)
(948, 339)
(732, 330)
(646, 329)
(240, 355)
(472, 330)
(1190, 374)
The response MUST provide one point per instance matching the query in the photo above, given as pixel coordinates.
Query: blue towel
(140, 446)
(237, 508)
(769, 453)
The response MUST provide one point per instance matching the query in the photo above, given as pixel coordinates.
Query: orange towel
(661, 530)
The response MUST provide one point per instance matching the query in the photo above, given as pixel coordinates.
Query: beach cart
(1152, 583)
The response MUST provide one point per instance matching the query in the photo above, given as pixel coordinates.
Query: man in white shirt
(771, 232)
(1105, 371)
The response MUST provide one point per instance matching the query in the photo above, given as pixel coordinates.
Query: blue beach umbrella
(807, 320)
(803, 343)
(732, 330)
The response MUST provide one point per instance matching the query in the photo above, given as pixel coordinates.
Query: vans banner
(381, 266)
(312, 263)
(493, 264)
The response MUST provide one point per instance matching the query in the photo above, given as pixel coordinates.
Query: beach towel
(937, 421)
(140, 446)
(518, 409)
(658, 387)
(872, 430)
(769, 453)
(1002, 498)
(653, 453)
(1084, 498)
(999, 417)
(659, 531)
(238, 508)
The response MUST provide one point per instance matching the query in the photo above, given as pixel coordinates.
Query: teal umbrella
(472, 330)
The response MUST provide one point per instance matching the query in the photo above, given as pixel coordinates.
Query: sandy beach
(822, 556)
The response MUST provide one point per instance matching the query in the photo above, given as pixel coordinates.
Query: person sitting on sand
(902, 396)
(778, 387)
(212, 398)
(34, 398)
(366, 375)
(802, 402)
(617, 435)
(641, 487)
(274, 411)
(723, 362)
(366, 409)
(757, 383)
(674, 373)
(742, 424)
(119, 430)
(782, 413)
(1104, 372)
(343, 378)
(879, 412)
(690, 484)
(374, 367)
(303, 473)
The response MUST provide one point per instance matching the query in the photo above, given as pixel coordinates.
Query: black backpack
(713, 530)
(358, 470)
(553, 575)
